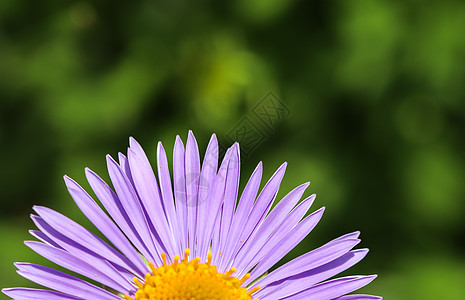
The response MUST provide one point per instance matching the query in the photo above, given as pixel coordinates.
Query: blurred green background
(364, 98)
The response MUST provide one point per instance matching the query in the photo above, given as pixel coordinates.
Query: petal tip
(30, 244)
(69, 182)
(132, 142)
(18, 265)
(7, 291)
(38, 208)
(178, 142)
(191, 138)
(363, 251)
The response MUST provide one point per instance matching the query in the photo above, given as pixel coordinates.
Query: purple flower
(187, 237)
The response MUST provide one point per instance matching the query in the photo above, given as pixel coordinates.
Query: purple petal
(79, 266)
(179, 176)
(310, 260)
(255, 243)
(348, 236)
(218, 196)
(333, 288)
(192, 187)
(229, 202)
(131, 204)
(302, 281)
(291, 240)
(207, 178)
(264, 202)
(81, 236)
(113, 205)
(167, 195)
(44, 238)
(147, 188)
(124, 165)
(80, 251)
(103, 223)
(83, 253)
(212, 222)
(36, 294)
(243, 210)
(62, 282)
(359, 297)
(247, 262)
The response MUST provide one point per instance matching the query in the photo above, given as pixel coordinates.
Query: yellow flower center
(191, 280)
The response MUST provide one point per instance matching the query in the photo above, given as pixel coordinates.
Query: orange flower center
(189, 280)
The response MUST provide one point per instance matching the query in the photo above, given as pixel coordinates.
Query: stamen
(253, 290)
(186, 254)
(228, 273)
(140, 285)
(163, 257)
(152, 267)
(246, 276)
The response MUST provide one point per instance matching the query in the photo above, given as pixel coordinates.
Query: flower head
(187, 236)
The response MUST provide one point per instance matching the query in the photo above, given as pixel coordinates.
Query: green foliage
(374, 92)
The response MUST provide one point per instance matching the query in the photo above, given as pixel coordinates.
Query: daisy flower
(189, 236)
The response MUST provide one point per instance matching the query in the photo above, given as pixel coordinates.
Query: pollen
(191, 280)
